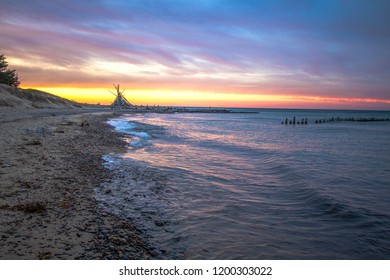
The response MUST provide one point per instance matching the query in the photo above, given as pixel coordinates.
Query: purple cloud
(329, 48)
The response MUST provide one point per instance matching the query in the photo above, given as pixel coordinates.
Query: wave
(311, 195)
(127, 127)
(143, 135)
(292, 188)
(122, 126)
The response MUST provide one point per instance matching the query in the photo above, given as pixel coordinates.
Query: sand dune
(31, 98)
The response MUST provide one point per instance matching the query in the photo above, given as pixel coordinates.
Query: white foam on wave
(143, 135)
(122, 126)
(138, 143)
(127, 128)
(107, 159)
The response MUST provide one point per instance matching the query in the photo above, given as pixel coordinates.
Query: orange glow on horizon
(213, 99)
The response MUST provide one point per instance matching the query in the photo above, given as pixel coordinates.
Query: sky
(272, 54)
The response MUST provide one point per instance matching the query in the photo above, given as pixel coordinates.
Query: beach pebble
(84, 123)
(155, 253)
(159, 223)
(118, 240)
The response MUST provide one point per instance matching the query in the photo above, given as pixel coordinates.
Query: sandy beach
(50, 163)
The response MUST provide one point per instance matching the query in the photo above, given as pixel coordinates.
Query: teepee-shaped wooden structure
(120, 101)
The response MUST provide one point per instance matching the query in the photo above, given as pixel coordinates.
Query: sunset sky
(286, 54)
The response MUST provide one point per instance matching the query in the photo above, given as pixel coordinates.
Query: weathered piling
(338, 119)
(294, 120)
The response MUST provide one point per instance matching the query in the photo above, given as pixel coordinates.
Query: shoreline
(50, 164)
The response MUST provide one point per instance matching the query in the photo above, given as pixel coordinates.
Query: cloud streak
(317, 48)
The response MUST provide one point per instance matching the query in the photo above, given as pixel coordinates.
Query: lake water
(245, 186)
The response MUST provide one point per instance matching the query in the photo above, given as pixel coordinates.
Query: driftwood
(120, 101)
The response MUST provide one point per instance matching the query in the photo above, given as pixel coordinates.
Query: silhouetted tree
(7, 76)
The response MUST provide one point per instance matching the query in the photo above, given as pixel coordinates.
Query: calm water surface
(244, 186)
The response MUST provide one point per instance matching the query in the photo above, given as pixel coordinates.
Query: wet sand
(50, 163)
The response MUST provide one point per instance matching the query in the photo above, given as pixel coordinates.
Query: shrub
(8, 76)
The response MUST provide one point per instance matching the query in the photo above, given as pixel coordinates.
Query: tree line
(8, 76)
